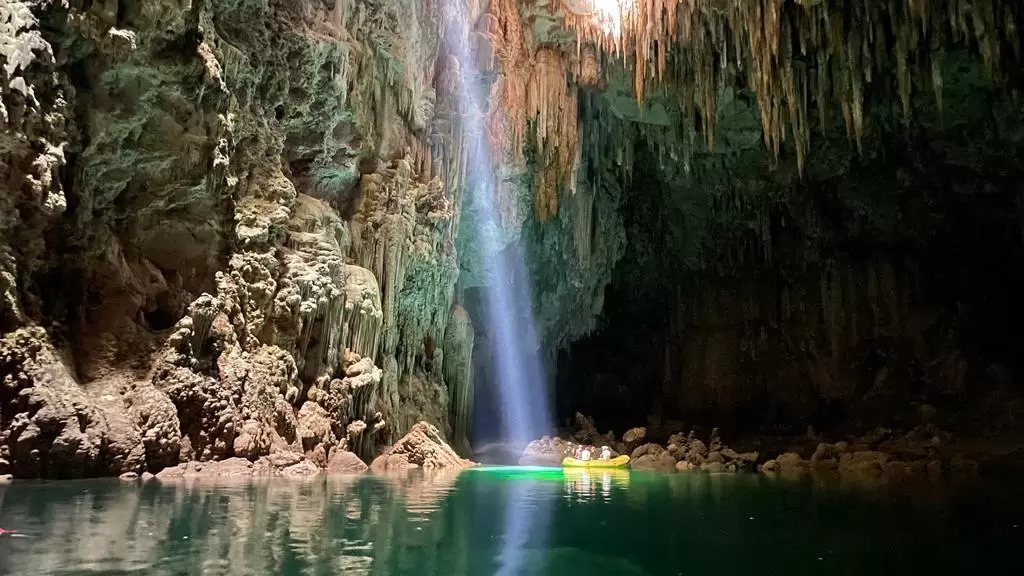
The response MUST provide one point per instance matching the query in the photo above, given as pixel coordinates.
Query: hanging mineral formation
(458, 375)
(794, 54)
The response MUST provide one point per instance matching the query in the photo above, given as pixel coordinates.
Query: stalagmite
(202, 312)
(458, 375)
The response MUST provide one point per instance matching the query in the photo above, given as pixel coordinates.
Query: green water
(504, 521)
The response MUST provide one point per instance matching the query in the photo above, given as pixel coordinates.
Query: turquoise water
(505, 521)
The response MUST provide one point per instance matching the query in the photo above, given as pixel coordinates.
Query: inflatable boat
(617, 462)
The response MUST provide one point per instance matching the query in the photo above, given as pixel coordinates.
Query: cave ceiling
(799, 61)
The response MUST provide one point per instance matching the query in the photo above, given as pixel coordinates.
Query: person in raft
(585, 453)
(606, 453)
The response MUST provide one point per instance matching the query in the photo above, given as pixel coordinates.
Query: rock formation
(422, 447)
(227, 230)
(240, 228)
(458, 374)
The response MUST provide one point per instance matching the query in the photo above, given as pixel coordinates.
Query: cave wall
(227, 229)
(755, 298)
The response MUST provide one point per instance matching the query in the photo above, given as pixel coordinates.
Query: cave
(533, 276)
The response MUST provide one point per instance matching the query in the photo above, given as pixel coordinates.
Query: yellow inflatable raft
(617, 462)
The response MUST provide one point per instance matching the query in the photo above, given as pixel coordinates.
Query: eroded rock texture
(226, 230)
(239, 228)
(422, 447)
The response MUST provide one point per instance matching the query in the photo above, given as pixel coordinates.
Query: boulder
(713, 467)
(649, 449)
(864, 461)
(790, 461)
(422, 447)
(963, 469)
(283, 459)
(230, 468)
(303, 468)
(741, 459)
(544, 452)
(662, 462)
(634, 437)
(586, 431)
(345, 462)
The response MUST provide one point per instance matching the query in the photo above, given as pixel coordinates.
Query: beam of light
(607, 15)
(520, 380)
(528, 511)
(509, 318)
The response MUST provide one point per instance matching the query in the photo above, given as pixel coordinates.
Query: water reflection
(349, 525)
(584, 485)
(501, 521)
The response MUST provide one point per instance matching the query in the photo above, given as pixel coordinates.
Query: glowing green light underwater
(519, 472)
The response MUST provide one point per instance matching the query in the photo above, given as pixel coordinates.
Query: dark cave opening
(159, 319)
(842, 301)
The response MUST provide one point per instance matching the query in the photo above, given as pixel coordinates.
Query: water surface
(504, 521)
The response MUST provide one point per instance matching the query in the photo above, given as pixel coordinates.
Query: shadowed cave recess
(258, 229)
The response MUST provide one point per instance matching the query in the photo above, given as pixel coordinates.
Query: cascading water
(519, 376)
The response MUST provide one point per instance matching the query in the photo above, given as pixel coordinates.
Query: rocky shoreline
(925, 452)
(422, 448)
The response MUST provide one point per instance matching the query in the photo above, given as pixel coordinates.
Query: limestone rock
(586, 432)
(790, 461)
(303, 468)
(649, 449)
(633, 438)
(544, 452)
(345, 462)
(422, 447)
(713, 467)
(56, 429)
(662, 462)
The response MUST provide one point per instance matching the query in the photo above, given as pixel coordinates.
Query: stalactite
(583, 225)
(844, 47)
(458, 375)
(324, 327)
(551, 106)
(362, 324)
